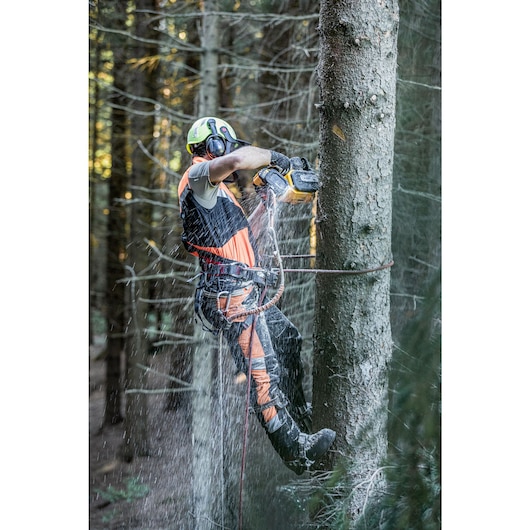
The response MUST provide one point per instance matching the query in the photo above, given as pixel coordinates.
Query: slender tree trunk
(353, 344)
(205, 486)
(94, 179)
(116, 225)
(143, 87)
(183, 315)
(209, 92)
(115, 272)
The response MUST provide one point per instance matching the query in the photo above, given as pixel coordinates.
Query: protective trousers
(272, 344)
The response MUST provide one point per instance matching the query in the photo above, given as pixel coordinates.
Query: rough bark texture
(136, 442)
(352, 330)
(209, 94)
(117, 220)
(183, 320)
(206, 490)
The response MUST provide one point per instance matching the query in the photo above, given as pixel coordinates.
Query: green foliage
(326, 505)
(413, 468)
(414, 473)
(108, 517)
(414, 429)
(134, 489)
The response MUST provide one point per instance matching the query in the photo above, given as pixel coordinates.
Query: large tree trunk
(143, 86)
(353, 343)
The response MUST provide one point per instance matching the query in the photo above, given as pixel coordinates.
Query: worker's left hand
(282, 162)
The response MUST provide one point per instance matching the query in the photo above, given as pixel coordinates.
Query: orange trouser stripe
(251, 347)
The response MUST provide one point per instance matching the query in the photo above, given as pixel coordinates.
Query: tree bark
(209, 91)
(143, 86)
(206, 488)
(183, 314)
(353, 343)
(116, 225)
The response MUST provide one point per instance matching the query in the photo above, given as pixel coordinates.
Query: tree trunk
(183, 314)
(353, 344)
(209, 92)
(94, 180)
(143, 87)
(116, 224)
(206, 492)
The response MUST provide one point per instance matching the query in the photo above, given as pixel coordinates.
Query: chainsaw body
(299, 185)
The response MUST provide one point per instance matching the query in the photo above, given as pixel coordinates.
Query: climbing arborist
(230, 291)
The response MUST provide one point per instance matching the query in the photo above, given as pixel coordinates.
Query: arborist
(233, 282)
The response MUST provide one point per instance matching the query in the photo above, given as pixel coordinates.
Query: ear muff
(215, 146)
(215, 143)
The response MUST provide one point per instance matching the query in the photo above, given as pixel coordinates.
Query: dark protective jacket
(218, 235)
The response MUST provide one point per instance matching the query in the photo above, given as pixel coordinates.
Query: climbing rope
(247, 415)
(343, 271)
(221, 398)
(271, 209)
(261, 307)
(331, 271)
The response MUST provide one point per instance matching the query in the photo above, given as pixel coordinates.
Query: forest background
(50, 442)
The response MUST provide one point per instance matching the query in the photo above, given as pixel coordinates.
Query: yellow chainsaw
(299, 185)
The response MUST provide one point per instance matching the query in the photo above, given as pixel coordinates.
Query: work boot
(298, 450)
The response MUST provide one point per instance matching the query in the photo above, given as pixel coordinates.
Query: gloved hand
(282, 162)
(300, 163)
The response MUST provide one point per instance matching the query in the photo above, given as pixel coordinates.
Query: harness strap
(240, 272)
